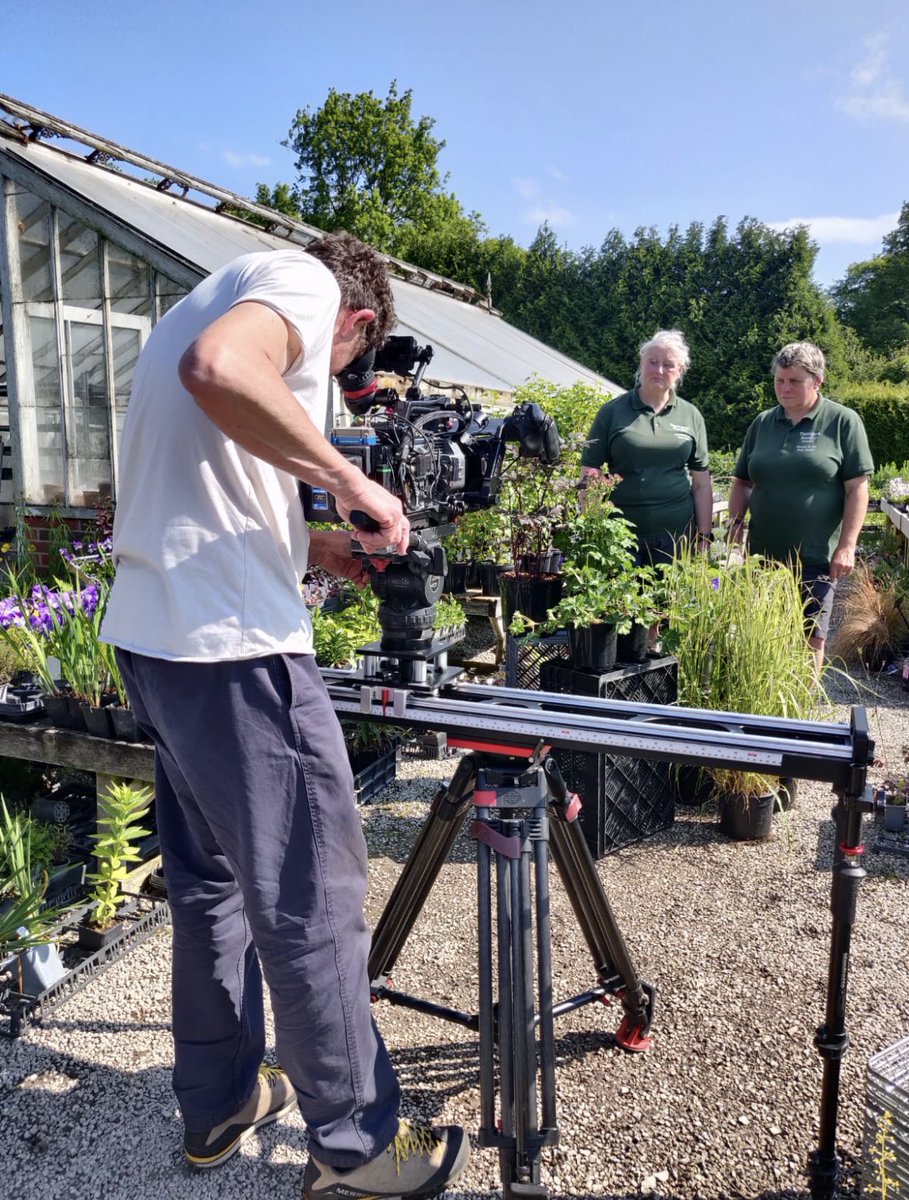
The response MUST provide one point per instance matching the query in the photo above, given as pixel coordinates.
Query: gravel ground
(725, 1104)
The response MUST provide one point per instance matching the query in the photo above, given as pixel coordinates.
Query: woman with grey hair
(802, 479)
(657, 443)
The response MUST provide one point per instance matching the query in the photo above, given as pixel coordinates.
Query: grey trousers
(265, 865)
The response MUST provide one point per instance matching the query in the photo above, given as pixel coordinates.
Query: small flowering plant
(60, 622)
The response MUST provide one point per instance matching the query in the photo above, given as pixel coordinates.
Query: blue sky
(591, 115)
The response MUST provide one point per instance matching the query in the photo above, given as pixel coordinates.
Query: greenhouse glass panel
(33, 217)
(48, 410)
(129, 279)
(168, 294)
(126, 345)
(88, 426)
(80, 262)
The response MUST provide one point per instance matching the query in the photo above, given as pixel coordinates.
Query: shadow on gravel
(430, 1075)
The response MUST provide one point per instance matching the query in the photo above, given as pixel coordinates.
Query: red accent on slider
(573, 807)
(492, 747)
(852, 851)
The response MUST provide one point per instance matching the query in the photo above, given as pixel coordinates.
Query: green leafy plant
(25, 921)
(450, 615)
(338, 636)
(121, 809)
(738, 634)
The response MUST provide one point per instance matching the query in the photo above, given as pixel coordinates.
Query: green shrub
(884, 409)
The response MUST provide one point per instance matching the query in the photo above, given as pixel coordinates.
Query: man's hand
(330, 549)
(384, 508)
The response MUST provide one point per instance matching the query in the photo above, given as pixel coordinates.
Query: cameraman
(263, 853)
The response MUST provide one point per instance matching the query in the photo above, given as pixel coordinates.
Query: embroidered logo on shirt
(808, 439)
(681, 432)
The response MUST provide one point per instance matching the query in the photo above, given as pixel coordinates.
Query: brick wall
(44, 537)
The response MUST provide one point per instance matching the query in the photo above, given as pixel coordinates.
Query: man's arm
(234, 372)
(856, 505)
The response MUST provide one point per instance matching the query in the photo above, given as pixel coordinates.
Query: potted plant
(121, 810)
(338, 635)
(477, 551)
(373, 751)
(28, 957)
(874, 618)
(738, 635)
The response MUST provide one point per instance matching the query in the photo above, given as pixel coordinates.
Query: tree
(873, 299)
(366, 166)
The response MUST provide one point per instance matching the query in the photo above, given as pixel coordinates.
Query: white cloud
(858, 231)
(233, 159)
(552, 215)
(873, 91)
(557, 174)
(526, 188)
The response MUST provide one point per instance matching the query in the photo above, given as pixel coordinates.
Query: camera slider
(522, 817)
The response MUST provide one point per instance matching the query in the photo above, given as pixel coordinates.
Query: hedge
(884, 408)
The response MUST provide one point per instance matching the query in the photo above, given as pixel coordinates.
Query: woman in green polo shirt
(657, 443)
(802, 478)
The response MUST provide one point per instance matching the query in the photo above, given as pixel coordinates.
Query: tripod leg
(519, 1158)
(449, 808)
(831, 1039)
(598, 925)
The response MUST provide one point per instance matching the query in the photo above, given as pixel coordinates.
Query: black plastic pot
(56, 709)
(93, 939)
(125, 725)
(787, 793)
(488, 578)
(631, 647)
(693, 786)
(456, 579)
(746, 819)
(97, 720)
(532, 595)
(593, 647)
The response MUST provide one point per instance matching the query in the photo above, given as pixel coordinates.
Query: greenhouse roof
(179, 215)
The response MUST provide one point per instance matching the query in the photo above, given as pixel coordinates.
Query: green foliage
(24, 919)
(884, 409)
(450, 614)
(480, 536)
(365, 165)
(738, 634)
(120, 810)
(337, 636)
(873, 299)
(883, 475)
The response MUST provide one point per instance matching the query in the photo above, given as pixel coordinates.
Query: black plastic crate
(653, 682)
(623, 799)
(525, 658)
(370, 777)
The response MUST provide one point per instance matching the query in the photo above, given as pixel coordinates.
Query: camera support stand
(514, 721)
(522, 812)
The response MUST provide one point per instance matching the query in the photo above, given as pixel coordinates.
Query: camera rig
(442, 456)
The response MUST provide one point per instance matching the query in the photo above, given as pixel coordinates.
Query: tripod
(522, 812)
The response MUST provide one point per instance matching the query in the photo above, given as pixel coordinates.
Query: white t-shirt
(210, 543)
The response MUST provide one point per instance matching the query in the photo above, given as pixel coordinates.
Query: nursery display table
(105, 758)
(900, 521)
(475, 605)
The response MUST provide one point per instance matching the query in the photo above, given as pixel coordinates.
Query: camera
(442, 456)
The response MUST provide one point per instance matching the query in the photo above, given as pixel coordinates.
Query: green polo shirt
(654, 453)
(797, 473)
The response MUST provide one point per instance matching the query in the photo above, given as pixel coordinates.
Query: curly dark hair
(362, 275)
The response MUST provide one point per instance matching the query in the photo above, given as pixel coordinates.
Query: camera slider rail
(829, 752)
(509, 733)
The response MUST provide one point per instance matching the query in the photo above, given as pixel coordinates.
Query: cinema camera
(442, 456)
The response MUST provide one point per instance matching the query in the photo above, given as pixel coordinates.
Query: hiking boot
(420, 1162)
(272, 1096)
